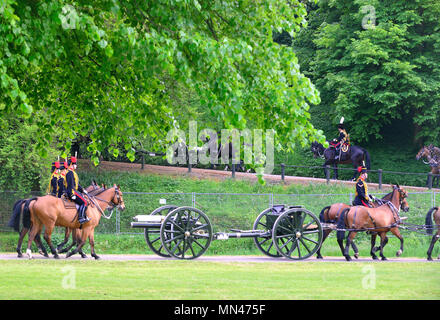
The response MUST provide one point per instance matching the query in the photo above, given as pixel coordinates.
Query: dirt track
(225, 259)
(220, 174)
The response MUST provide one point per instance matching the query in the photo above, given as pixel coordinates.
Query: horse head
(424, 152)
(117, 199)
(403, 194)
(316, 148)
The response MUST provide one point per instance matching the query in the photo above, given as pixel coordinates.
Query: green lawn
(165, 280)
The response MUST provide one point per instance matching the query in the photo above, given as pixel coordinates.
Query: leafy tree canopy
(375, 62)
(104, 68)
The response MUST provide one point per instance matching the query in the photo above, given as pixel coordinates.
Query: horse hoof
(374, 257)
(319, 257)
(384, 259)
(399, 253)
(348, 258)
(97, 258)
(356, 255)
(429, 258)
(83, 256)
(29, 254)
(19, 255)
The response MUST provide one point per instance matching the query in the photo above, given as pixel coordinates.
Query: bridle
(110, 203)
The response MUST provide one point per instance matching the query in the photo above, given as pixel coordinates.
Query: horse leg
(373, 243)
(383, 242)
(396, 232)
(431, 246)
(77, 234)
(324, 236)
(35, 229)
(42, 249)
(92, 245)
(23, 232)
(335, 169)
(66, 239)
(80, 243)
(355, 249)
(350, 238)
(48, 237)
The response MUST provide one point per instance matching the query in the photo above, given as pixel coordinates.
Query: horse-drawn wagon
(186, 232)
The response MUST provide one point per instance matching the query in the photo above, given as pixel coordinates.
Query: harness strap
(354, 218)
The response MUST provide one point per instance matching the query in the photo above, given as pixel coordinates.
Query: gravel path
(225, 259)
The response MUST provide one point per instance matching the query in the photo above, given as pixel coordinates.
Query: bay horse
(330, 214)
(355, 155)
(432, 154)
(433, 213)
(379, 220)
(49, 212)
(21, 208)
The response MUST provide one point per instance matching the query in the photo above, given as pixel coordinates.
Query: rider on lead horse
(362, 198)
(74, 190)
(342, 141)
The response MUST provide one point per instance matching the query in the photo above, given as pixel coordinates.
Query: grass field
(198, 280)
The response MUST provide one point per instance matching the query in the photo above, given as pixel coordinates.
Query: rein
(109, 203)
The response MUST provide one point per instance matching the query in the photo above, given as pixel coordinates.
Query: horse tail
(321, 215)
(27, 213)
(428, 220)
(341, 224)
(367, 158)
(14, 222)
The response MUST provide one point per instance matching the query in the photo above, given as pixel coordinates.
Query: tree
(102, 68)
(374, 62)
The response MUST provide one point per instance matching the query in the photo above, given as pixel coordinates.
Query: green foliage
(22, 165)
(373, 62)
(107, 69)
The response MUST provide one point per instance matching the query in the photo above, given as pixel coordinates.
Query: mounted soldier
(62, 182)
(342, 142)
(75, 191)
(362, 198)
(52, 188)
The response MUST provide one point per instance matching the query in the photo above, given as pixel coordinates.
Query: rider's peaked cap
(72, 160)
(361, 169)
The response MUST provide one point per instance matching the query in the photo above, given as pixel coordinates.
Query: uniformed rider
(341, 140)
(53, 184)
(62, 182)
(362, 198)
(74, 190)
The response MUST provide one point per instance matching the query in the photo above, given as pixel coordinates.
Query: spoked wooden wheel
(186, 233)
(264, 243)
(152, 235)
(297, 234)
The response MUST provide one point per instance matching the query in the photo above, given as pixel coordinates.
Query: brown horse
(378, 220)
(432, 154)
(49, 212)
(21, 208)
(92, 190)
(433, 213)
(330, 214)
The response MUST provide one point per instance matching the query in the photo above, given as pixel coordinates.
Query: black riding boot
(82, 218)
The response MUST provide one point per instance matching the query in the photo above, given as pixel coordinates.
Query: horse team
(49, 211)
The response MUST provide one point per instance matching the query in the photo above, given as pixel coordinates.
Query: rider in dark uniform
(62, 182)
(74, 190)
(362, 198)
(341, 140)
(53, 184)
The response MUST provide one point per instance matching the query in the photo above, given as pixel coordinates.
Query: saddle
(69, 204)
